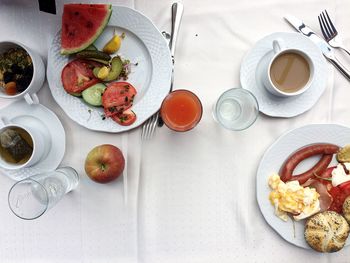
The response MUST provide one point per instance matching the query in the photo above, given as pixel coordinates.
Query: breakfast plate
(20, 112)
(274, 157)
(144, 46)
(253, 67)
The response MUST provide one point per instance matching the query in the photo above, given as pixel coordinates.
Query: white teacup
(39, 146)
(38, 73)
(291, 80)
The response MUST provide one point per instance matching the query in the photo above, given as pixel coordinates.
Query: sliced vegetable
(339, 194)
(93, 95)
(116, 69)
(87, 54)
(77, 75)
(126, 118)
(118, 97)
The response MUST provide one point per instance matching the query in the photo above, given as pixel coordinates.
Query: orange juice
(181, 110)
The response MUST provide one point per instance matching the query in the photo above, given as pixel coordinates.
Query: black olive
(16, 69)
(22, 84)
(28, 71)
(8, 76)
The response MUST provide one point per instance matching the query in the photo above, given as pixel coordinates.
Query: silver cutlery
(330, 33)
(325, 48)
(149, 127)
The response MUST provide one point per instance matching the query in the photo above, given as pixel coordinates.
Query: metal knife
(177, 10)
(325, 48)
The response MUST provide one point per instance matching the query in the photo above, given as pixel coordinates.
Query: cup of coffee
(289, 72)
(20, 146)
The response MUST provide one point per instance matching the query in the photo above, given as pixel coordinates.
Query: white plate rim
(162, 90)
(262, 183)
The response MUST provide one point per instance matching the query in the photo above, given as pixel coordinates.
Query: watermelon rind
(68, 51)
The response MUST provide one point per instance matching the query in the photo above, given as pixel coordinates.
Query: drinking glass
(181, 110)
(32, 197)
(236, 109)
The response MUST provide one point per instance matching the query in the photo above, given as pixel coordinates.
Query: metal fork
(329, 32)
(149, 127)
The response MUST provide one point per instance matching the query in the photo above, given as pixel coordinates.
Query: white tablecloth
(191, 195)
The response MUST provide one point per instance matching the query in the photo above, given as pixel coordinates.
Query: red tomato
(339, 194)
(77, 75)
(118, 97)
(126, 118)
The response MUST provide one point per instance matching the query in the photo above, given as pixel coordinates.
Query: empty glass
(32, 197)
(236, 109)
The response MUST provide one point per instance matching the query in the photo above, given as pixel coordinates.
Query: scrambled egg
(292, 198)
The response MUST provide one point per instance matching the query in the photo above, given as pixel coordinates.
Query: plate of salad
(109, 67)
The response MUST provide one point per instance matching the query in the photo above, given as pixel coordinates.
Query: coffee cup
(29, 94)
(20, 145)
(289, 72)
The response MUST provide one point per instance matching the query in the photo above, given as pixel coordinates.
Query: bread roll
(343, 156)
(346, 209)
(326, 231)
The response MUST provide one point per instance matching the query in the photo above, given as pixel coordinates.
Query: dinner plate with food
(109, 67)
(303, 186)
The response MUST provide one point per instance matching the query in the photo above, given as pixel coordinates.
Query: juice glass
(181, 110)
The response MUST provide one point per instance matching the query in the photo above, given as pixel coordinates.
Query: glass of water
(236, 109)
(32, 197)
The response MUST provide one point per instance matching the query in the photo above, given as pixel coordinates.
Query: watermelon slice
(82, 24)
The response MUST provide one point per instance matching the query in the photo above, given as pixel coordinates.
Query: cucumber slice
(93, 94)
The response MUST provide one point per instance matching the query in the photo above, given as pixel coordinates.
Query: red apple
(104, 163)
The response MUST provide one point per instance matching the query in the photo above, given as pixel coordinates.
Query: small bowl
(38, 73)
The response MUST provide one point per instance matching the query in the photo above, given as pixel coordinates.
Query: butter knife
(325, 48)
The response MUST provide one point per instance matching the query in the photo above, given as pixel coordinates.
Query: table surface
(191, 196)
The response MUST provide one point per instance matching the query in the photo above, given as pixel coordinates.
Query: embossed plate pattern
(144, 45)
(251, 70)
(274, 158)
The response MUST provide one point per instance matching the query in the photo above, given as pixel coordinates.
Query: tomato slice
(126, 118)
(118, 97)
(78, 75)
(339, 194)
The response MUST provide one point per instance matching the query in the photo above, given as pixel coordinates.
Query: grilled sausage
(326, 149)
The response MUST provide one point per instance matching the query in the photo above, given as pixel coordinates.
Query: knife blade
(325, 48)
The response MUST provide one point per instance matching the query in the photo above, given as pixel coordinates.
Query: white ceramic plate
(251, 71)
(143, 44)
(274, 157)
(19, 112)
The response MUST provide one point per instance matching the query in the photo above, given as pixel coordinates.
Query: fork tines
(328, 29)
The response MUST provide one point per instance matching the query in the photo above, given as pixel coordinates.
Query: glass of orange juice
(181, 110)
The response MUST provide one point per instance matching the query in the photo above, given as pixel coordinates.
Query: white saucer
(251, 70)
(49, 125)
